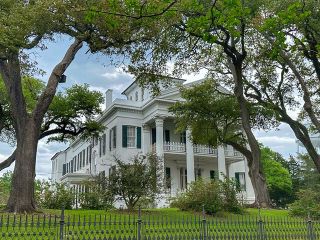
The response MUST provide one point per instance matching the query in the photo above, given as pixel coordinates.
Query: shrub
(214, 196)
(229, 194)
(54, 196)
(308, 202)
(97, 194)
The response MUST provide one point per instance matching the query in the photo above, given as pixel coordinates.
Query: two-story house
(142, 123)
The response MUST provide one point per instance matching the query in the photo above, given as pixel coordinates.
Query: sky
(97, 71)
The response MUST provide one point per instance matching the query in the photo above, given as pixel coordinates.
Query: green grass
(155, 222)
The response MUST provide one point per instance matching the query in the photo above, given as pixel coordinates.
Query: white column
(146, 139)
(190, 157)
(221, 163)
(159, 137)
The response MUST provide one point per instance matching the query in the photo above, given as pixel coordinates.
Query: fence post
(139, 224)
(310, 229)
(62, 224)
(204, 224)
(260, 227)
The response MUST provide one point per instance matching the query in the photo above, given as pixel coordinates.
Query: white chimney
(108, 98)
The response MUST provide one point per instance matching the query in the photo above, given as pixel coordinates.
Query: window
(197, 173)
(100, 147)
(71, 163)
(87, 156)
(167, 135)
(130, 98)
(104, 144)
(83, 158)
(183, 178)
(112, 138)
(136, 96)
(183, 138)
(240, 180)
(75, 163)
(212, 174)
(168, 177)
(112, 170)
(64, 169)
(131, 136)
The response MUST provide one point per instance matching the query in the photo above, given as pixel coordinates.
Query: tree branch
(46, 97)
(6, 163)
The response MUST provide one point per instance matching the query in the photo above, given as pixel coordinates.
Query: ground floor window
(212, 175)
(197, 173)
(168, 178)
(240, 180)
(183, 178)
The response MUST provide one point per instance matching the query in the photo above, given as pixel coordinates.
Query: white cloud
(3, 157)
(116, 73)
(196, 76)
(276, 140)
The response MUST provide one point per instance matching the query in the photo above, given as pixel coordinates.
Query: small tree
(136, 179)
(278, 178)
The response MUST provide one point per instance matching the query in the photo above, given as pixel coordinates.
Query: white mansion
(140, 124)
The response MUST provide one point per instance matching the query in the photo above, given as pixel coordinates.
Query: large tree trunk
(255, 168)
(28, 126)
(21, 198)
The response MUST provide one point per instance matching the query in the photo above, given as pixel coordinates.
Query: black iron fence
(153, 226)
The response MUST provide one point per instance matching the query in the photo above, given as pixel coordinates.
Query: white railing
(197, 149)
(204, 149)
(232, 153)
(174, 147)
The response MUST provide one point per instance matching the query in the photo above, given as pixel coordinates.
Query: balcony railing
(204, 149)
(174, 147)
(232, 153)
(177, 147)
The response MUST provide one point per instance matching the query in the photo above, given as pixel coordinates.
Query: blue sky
(97, 71)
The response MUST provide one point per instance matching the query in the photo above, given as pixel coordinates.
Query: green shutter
(124, 136)
(212, 174)
(138, 137)
(237, 180)
(110, 140)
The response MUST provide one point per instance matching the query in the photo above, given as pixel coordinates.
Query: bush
(54, 196)
(229, 194)
(308, 202)
(97, 195)
(214, 196)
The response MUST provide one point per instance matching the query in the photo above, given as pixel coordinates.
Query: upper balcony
(198, 149)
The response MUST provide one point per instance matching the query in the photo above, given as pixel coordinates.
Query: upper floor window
(183, 137)
(130, 98)
(131, 136)
(136, 96)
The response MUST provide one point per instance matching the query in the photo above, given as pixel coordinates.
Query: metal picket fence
(148, 226)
